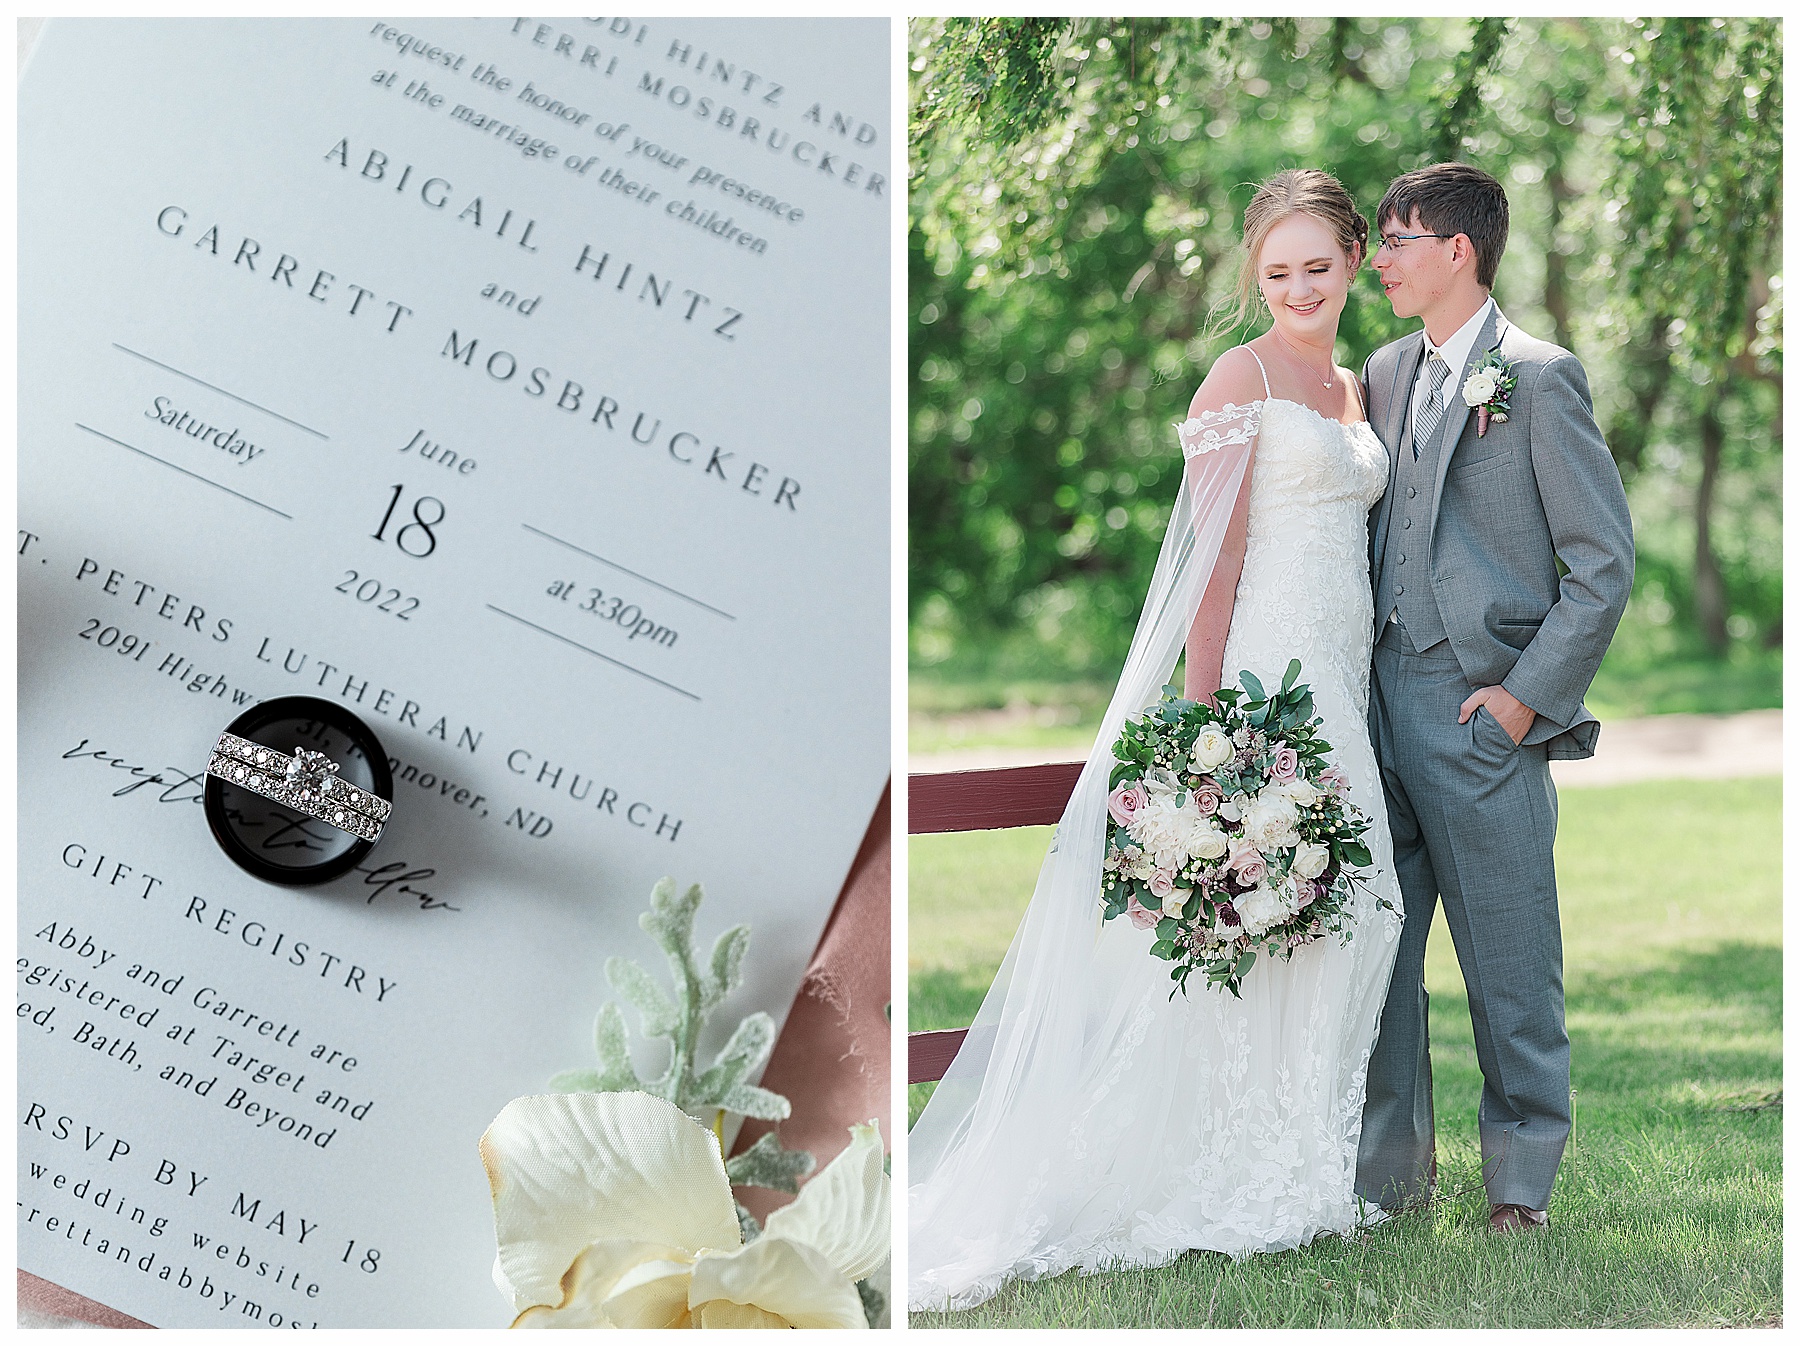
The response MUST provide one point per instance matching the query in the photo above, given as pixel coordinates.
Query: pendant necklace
(1326, 382)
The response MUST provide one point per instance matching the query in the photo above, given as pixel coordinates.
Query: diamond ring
(307, 781)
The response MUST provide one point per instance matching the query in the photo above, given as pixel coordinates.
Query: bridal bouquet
(1230, 832)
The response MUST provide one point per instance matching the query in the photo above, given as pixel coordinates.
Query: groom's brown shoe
(1509, 1219)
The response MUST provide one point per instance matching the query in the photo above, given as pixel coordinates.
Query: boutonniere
(1486, 390)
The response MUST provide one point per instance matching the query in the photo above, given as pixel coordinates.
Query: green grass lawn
(1667, 1211)
(951, 708)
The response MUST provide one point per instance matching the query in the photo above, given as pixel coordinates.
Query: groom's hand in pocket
(1514, 716)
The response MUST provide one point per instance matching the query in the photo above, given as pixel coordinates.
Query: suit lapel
(1456, 414)
(1406, 373)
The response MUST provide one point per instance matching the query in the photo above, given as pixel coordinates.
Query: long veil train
(979, 1169)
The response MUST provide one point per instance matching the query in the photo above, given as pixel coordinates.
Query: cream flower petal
(723, 1313)
(653, 1294)
(571, 1170)
(843, 1210)
(602, 1270)
(779, 1277)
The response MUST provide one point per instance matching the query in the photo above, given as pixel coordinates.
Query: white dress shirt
(1455, 354)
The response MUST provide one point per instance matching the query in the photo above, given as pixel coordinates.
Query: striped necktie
(1431, 415)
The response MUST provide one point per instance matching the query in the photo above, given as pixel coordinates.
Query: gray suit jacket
(1508, 505)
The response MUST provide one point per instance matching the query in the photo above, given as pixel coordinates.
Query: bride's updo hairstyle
(1294, 191)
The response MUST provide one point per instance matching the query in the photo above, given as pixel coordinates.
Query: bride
(1090, 1120)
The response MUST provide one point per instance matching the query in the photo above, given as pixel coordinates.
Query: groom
(1484, 649)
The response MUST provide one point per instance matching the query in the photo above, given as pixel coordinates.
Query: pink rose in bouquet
(1141, 916)
(1126, 802)
(1207, 797)
(1247, 861)
(1333, 779)
(1287, 764)
(1162, 883)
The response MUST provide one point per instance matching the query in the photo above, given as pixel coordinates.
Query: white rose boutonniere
(1488, 389)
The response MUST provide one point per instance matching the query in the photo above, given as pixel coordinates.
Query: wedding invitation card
(522, 387)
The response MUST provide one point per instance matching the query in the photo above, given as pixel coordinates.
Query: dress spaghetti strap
(1265, 373)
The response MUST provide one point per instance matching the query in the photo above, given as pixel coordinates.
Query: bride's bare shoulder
(1235, 379)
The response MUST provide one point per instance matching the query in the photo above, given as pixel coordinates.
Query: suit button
(1406, 523)
(1399, 589)
(1411, 492)
(1402, 558)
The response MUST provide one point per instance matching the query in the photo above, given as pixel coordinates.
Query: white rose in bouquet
(1207, 842)
(1300, 790)
(1212, 749)
(1310, 860)
(1478, 389)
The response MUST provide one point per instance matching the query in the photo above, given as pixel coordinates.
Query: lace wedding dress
(1090, 1121)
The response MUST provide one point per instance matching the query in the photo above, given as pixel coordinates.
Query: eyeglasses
(1393, 242)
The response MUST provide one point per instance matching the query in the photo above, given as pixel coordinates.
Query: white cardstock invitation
(522, 386)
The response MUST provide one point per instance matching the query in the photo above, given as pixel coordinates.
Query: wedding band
(298, 790)
(307, 782)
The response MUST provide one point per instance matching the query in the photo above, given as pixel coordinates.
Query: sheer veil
(982, 1185)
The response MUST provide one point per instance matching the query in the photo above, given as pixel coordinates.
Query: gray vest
(1405, 582)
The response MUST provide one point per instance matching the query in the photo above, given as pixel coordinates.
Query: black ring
(297, 709)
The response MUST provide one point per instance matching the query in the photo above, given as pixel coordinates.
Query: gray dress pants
(1474, 823)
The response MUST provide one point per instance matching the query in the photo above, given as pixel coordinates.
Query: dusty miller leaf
(727, 958)
(763, 1104)
(670, 920)
(680, 1018)
(617, 1074)
(578, 1082)
(748, 1229)
(766, 1164)
(749, 1047)
(631, 981)
(873, 1301)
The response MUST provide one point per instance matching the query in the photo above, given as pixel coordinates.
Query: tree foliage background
(1077, 187)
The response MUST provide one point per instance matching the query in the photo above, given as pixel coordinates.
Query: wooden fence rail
(976, 801)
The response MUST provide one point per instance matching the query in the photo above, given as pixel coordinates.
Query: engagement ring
(298, 790)
(307, 781)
